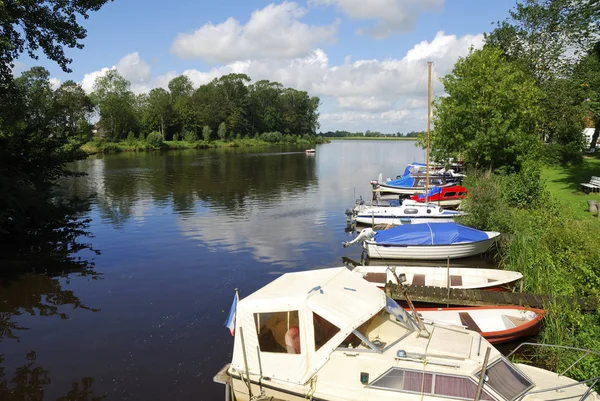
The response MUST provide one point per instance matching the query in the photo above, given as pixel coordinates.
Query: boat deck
(463, 297)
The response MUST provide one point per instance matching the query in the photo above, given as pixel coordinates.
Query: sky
(365, 59)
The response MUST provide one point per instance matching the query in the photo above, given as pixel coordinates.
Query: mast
(429, 63)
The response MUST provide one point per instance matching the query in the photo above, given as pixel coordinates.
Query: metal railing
(586, 352)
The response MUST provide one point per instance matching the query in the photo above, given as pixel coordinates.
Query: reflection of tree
(29, 380)
(223, 177)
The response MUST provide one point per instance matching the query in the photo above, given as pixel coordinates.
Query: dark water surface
(178, 232)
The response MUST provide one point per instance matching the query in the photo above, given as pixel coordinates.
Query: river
(178, 232)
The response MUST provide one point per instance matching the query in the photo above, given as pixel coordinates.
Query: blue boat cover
(435, 190)
(410, 166)
(405, 181)
(429, 234)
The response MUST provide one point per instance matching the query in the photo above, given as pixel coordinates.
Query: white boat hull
(428, 252)
(397, 221)
(459, 277)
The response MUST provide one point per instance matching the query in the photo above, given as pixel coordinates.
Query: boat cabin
(331, 335)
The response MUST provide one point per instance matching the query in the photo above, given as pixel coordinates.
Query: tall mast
(429, 63)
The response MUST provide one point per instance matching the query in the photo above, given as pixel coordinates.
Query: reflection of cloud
(295, 217)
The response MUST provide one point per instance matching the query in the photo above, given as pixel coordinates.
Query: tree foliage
(491, 113)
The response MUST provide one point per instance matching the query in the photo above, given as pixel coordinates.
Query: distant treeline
(225, 108)
(370, 134)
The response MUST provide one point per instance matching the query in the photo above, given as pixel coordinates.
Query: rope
(312, 388)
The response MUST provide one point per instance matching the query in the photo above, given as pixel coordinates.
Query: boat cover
(404, 181)
(429, 234)
(434, 191)
(409, 168)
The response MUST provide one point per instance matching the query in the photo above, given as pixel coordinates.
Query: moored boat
(445, 196)
(330, 335)
(309, 151)
(497, 324)
(425, 241)
(459, 277)
(409, 212)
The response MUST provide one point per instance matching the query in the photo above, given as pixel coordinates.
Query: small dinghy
(460, 277)
(309, 151)
(425, 241)
(497, 324)
(409, 212)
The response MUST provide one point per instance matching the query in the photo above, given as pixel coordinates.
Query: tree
(181, 90)
(76, 107)
(491, 113)
(222, 131)
(115, 100)
(586, 76)
(206, 133)
(160, 110)
(29, 25)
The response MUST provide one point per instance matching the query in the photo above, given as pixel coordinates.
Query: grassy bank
(564, 185)
(98, 146)
(553, 242)
(366, 138)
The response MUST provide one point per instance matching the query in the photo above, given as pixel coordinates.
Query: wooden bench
(592, 186)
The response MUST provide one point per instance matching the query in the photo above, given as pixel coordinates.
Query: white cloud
(390, 16)
(272, 32)
(54, 83)
(87, 83)
(380, 95)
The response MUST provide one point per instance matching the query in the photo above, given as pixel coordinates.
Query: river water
(178, 232)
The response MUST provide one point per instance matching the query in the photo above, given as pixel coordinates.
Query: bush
(155, 140)
(190, 136)
(271, 137)
(131, 138)
(111, 147)
(554, 154)
(176, 137)
(206, 133)
(142, 136)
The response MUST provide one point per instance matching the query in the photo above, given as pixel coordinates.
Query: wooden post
(429, 63)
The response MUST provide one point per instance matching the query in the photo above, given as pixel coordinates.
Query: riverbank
(369, 138)
(98, 146)
(564, 185)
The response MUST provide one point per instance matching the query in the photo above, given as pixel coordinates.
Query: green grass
(564, 185)
(366, 138)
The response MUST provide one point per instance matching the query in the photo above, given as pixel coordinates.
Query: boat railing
(585, 352)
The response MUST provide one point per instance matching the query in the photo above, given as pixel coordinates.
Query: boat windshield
(400, 314)
(506, 379)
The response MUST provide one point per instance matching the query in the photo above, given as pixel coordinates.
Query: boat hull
(494, 333)
(397, 221)
(427, 252)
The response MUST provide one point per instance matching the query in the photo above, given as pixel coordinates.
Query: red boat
(497, 324)
(445, 196)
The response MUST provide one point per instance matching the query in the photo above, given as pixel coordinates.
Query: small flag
(230, 323)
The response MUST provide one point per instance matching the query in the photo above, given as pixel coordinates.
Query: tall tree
(114, 98)
(491, 112)
(76, 107)
(160, 110)
(181, 90)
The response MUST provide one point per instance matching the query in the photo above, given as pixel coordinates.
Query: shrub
(142, 136)
(206, 133)
(111, 147)
(131, 138)
(190, 136)
(176, 137)
(271, 137)
(155, 139)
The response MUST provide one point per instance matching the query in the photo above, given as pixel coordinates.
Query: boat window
(462, 194)
(405, 380)
(400, 314)
(324, 331)
(410, 211)
(278, 332)
(458, 387)
(505, 379)
(449, 194)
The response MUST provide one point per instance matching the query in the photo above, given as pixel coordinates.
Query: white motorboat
(425, 241)
(409, 212)
(459, 277)
(330, 335)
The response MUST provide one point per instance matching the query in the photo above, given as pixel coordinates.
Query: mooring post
(448, 282)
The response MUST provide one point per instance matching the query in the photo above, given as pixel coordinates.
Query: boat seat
(491, 280)
(418, 279)
(456, 281)
(515, 321)
(467, 320)
(375, 277)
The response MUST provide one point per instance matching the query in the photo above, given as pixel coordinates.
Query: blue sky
(365, 59)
